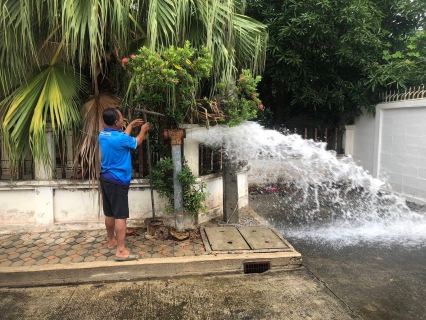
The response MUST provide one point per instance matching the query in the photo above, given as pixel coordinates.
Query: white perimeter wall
(393, 145)
(363, 142)
(43, 205)
(31, 206)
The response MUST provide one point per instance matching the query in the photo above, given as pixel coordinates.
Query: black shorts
(115, 200)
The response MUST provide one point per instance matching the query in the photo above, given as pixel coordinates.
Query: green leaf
(50, 97)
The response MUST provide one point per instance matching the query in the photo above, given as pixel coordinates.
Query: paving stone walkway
(68, 247)
(85, 246)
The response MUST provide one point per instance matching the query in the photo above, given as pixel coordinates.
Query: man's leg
(119, 205)
(110, 228)
(107, 188)
(120, 233)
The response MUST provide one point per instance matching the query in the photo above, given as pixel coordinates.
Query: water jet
(319, 195)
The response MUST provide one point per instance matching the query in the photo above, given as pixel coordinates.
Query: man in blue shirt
(116, 173)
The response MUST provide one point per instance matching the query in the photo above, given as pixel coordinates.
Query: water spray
(317, 195)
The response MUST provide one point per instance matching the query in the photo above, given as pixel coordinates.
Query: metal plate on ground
(225, 239)
(262, 238)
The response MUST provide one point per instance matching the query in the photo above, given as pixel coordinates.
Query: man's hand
(145, 127)
(136, 123)
(133, 124)
(141, 134)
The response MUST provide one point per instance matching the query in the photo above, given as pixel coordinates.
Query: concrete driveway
(271, 295)
(376, 281)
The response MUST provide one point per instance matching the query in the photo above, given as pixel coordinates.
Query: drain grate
(256, 266)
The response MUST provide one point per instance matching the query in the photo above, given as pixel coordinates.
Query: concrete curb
(104, 271)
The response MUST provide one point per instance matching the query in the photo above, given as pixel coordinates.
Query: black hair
(110, 115)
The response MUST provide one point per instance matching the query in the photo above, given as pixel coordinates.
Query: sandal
(130, 257)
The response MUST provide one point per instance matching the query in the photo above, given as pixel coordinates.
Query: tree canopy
(61, 60)
(328, 59)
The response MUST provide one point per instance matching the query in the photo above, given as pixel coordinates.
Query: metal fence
(24, 171)
(406, 94)
(210, 160)
(333, 137)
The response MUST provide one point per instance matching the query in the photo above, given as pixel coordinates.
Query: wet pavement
(363, 281)
(272, 295)
(378, 281)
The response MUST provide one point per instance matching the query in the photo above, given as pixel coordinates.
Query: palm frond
(87, 34)
(91, 25)
(234, 40)
(161, 23)
(17, 39)
(88, 155)
(251, 39)
(49, 97)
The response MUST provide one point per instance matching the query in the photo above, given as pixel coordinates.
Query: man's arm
(133, 124)
(141, 136)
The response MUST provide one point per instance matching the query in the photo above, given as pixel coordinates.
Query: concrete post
(230, 191)
(191, 148)
(43, 172)
(176, 137)
(348, 141)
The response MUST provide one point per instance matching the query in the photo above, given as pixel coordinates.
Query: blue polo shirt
(116, 159)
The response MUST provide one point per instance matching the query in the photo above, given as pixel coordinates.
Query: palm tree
(61, 60)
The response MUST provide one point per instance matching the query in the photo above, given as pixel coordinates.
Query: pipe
(150, 112)
(176, 137)
(145, 112)
(177, 190)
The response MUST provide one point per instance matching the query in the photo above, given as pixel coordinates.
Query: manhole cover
(225, 239)
(244, 238)
(262, 238)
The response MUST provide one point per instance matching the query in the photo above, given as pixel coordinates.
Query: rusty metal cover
(262, 238)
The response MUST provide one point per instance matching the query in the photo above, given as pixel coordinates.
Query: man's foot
(112, 244)
(130, 257)
(127, 243)
(130, 232)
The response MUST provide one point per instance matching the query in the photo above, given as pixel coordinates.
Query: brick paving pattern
(85, 246)
(67, 247)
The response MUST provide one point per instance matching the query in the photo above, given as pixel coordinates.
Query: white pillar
(349, 140)
(43, 172)
(191, 150)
